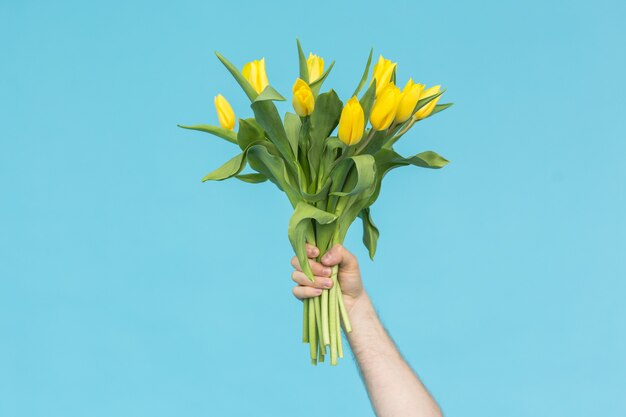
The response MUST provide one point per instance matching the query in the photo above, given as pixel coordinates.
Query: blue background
(128, 288)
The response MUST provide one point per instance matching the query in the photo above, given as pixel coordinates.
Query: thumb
(338, 255)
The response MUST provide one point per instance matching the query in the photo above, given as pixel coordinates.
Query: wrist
(356, 306)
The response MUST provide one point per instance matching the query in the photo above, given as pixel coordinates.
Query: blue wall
(128, 288)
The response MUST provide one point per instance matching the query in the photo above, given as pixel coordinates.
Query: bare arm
(394, 389)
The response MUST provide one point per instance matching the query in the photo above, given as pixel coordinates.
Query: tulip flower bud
(410, 96)
(255, 73)
(225, 113)
(382, 73)
(303, 100)
(315, 64)
(351, 122)
(385, 107)
(426, 110)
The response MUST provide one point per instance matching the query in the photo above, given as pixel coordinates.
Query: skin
(393, 388)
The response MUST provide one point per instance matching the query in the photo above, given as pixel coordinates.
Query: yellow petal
(410, 96)
(382, 73)
(263, 81)
(225, 113)
(315, 65)
(351, 122)
(246, 71)
(426, 110)
(385, 107)
(303, 100)
(256, 75)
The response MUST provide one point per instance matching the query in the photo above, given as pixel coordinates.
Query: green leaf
(266, 114)
(292, 129)
(253, 178)
(325, 117)
(428, 159)
(324, 120)
(365, 174)
(269, 94)
(317, 84)
(330, 153)
(273, 167)
(352, 209)
(241, 80)
(220, 132)
(319, 196)
(299, 225)
(365, 74)
(231, 168)
(377, 142)
(388, 159)
(370, 232)
(249, 132)
(440, 107)
(422, 102)
(304, 68)
(367, 101)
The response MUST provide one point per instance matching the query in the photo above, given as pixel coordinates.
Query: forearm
(394, 389)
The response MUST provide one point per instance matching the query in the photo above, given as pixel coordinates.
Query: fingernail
(326, 258)
(327, 271)
(318, 291)
(328, 283)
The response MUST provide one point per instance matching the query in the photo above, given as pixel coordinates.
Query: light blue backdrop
(128, 288)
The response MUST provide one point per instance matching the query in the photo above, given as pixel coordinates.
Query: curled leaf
(370, 232)
(253, 178)
(365, 166)
(218, 131)
(300, 224)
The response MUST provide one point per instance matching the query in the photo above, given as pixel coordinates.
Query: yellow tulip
(426, 110)
(303, 100)
(225, 113)
(383, 70)
(255, 73)
(315, 64)
(351, 122)
(385, 107)
(410, 96)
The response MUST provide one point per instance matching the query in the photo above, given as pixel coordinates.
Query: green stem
(303, 144)
(344, 313)
(365, 142)
(332, 307)
(318, 321)
(325, 328)
(305, 322)
(339, 339)
(350, 151)
(402, 131)
(312, 333)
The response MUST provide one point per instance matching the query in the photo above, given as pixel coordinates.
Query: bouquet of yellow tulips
(326, 160)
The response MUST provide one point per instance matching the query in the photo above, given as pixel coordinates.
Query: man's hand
(349, 275)
(393, 387)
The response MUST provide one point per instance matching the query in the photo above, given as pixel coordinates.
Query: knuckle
(321, 282)
(296, 292)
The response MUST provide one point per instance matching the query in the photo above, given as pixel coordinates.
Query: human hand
(349, 275)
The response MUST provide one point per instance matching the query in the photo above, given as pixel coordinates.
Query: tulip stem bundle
(327, 160)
